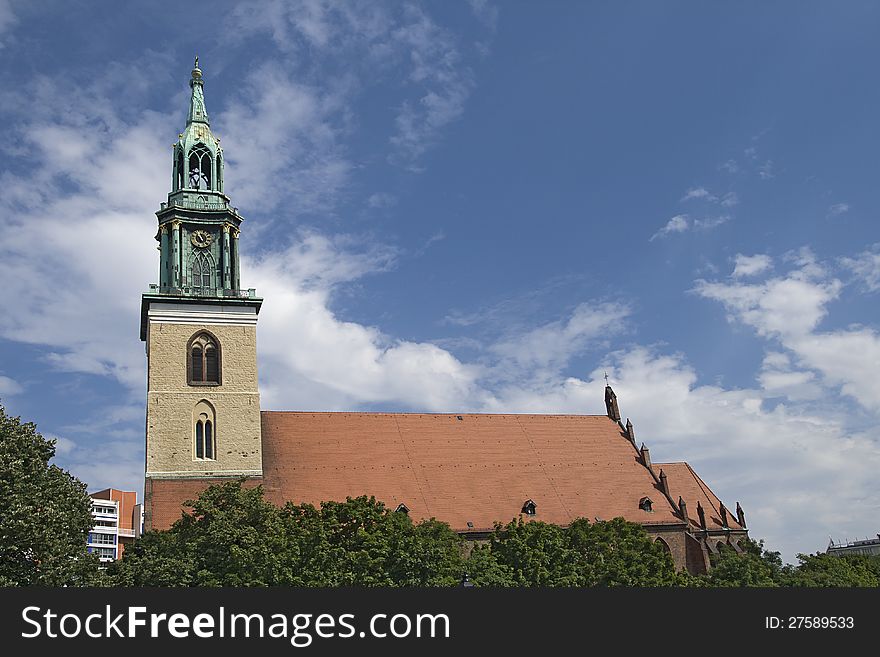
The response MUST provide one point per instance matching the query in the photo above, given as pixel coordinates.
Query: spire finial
(606, 379)
(196, 72)
(197, 110)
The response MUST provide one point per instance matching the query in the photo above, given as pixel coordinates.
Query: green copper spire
(198, 228)
(197, 111)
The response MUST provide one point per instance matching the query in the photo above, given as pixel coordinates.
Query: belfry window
(181, 175)
(201, 271)
(219, 172)
(204, 360)
(204, 434)
(200, 167)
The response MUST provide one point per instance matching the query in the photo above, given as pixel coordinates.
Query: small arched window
(200, 167)
(219, 172)
(204, 360)
(204, 432)
(645, 504)
(663, 544)
(529, 508)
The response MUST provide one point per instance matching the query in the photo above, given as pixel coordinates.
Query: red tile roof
(463, 469)
(686, 483)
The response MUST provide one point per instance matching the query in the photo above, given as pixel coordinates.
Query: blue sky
(474, 206)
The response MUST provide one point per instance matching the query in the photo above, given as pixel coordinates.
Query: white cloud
(678, 224)
(543, 352)
(766, 171)
(7, 19)
(382, 39)
(282, 135)
(313, 359)
(778, 377)
(69, 225)
(866, 267)
(699, 193)
(708, 223)
(382, 200)
(444, 84)
(729, 199)
(789, 308)
(838, 209)
(681, 223)
(486, 12)
(751, 265)
(9, 387)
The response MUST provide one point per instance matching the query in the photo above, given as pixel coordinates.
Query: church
(204, 423)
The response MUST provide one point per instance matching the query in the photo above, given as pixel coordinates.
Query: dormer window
(204, 360)
(402, 508)
(529, 508)
(645, 504)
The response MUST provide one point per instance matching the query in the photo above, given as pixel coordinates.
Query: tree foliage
(45, 513)
(607, 553)
(233, 537)
(754, 566)
(824, 570)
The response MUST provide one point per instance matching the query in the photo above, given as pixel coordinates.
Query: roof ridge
(437, 413)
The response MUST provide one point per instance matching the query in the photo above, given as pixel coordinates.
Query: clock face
(201, 238)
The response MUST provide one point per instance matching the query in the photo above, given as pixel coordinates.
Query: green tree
(828, 570)
(612, 553)
(620, 553)
(233, 537)
(525, 554)
(754, 566)
(45, 513)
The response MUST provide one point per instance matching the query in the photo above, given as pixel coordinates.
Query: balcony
(200, 204)
(211, 292)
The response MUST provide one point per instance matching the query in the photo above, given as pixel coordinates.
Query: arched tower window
(204, 360)
(200, 167)
(202, 268)
(219, 172)
(204, 432)
(181, 174)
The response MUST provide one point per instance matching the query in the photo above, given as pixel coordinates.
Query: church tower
(200, 328)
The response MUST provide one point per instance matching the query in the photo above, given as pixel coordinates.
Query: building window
(204, 360)
(529, 508)
(202, 267)
(180, 173)
(645, 504)
(204, 432)
(200, 167)
(402, 508)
